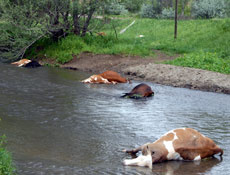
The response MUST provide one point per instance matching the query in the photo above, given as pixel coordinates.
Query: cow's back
(112, 76)
(192, 145)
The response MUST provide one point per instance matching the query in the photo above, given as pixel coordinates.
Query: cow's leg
(142, 160)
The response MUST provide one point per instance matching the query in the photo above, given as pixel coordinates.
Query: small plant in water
(6, 167)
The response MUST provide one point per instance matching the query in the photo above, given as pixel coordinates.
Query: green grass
(195, 39)
(203, 60)
(6, 166)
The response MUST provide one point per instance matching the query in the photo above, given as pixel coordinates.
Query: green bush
(149, 11)
(6, 167)
(168, 13)
(227, 7)
(133, 5)
(115, 8)
(208, 9)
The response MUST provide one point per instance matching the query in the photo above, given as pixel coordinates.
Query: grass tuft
(6, 166)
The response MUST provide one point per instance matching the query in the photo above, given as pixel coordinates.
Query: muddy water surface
(56, 125)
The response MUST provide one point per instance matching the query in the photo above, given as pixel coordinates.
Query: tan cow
(178, 144)
(21, 62)
(26, 63)
(107, 77)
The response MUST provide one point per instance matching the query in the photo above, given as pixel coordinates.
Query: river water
(56, 125)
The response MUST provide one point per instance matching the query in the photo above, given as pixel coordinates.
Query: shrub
(150, 11)
(133, 5)
(115, 8)
(227, 8)
(5, 159)
(168, 13)
(208, 9)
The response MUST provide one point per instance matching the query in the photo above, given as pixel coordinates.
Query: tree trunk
(90, 14)
(76, 25)
(175, 30)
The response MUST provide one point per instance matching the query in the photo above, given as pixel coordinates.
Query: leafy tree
(23, 22)
(20, 26)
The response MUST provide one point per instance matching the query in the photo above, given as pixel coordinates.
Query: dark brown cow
(107, 77)
(141, 90)
(178, 144)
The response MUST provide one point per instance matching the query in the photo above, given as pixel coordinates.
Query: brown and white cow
(21, 62)
(141, 90)
(26, 63)
(178, 144)
(107, 77)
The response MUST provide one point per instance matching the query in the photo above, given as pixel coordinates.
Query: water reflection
(57, 125)
(178, 167)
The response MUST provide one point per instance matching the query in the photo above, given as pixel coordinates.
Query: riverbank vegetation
(202, 44)
(60, 30)
(6, 166)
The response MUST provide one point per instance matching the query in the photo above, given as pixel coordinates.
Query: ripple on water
(57, 125)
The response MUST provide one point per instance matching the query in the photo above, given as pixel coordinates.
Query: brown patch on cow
(191, 144)
(113, 77)
(107, 77)
(168, 137)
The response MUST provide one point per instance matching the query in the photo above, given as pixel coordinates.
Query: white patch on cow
(172, 155)
(95, 78)
(197, 158)
(28, 61)
(175, 136)
(88, 80)
(139, 161)
(105, 80)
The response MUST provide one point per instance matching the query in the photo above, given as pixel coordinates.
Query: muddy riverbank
(146, 69)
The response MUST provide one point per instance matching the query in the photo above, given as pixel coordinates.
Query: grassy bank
(6, 167)
(202, 43)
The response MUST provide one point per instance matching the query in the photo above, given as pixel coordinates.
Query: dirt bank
(147, 69)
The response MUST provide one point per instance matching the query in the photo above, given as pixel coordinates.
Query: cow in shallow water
(26, 63)
(178, 144)
(141, 90)
(107, 77)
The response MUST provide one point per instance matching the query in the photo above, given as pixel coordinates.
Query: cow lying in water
(107, 77)
(178, 144)
(26, 63)
(141, 90)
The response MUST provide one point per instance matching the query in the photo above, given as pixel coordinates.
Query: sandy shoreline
(146, 69)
